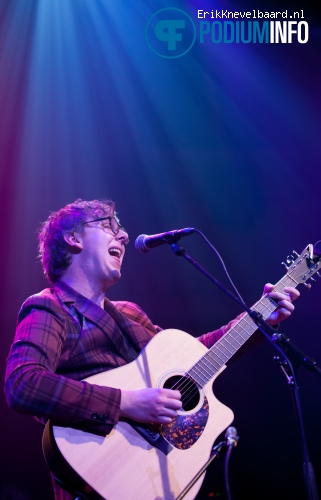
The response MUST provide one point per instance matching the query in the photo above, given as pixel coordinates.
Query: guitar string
(226, 339)
(189, 387)
(264, 306)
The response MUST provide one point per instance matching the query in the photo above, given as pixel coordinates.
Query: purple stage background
(225, 138)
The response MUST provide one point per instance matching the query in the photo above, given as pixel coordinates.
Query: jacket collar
(84, 306)
(101, 317)
(89, 309)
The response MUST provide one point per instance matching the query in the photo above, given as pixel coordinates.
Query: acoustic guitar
(153, 463)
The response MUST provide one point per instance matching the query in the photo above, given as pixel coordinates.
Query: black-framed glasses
(113, 224)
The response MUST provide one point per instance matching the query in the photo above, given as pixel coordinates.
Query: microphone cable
(221, 262)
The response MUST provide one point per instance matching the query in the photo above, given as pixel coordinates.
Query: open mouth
(114, 252)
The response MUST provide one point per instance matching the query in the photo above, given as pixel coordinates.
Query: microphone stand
(290, 353)
(215, 453)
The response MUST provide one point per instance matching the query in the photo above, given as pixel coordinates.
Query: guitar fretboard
(205, 369)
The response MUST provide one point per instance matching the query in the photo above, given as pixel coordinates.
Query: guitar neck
(216, 357)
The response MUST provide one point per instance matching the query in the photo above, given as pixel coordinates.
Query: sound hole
(188, 389)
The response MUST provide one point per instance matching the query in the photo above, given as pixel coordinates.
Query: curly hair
(53, 250)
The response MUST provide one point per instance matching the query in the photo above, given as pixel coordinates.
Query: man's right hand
(158, 406)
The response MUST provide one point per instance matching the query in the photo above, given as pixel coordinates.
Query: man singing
(71, 331)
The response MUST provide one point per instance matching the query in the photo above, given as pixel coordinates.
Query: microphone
(231, 437)
(145, 243)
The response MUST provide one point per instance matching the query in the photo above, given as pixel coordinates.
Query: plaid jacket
(63, 337)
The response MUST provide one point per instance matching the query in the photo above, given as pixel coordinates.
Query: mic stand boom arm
(278, 340)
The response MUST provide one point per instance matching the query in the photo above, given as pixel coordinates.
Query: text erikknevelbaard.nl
(282, 27)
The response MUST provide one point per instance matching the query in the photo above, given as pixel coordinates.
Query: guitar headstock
(301, 268)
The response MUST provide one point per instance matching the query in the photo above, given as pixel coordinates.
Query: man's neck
(87, 289)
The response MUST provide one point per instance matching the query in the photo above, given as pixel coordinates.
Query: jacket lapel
(110, 321)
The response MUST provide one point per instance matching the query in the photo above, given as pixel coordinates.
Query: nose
(122, 236)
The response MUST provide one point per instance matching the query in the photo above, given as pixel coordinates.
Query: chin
(115, 275)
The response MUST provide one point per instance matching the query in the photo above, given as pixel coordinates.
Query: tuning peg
(307, 286)
(295, 253)
(318, 274)
(312, 279)
(286, 267)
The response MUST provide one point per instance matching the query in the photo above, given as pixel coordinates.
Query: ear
(73, 239)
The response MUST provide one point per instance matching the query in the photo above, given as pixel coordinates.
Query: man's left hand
(285, 303)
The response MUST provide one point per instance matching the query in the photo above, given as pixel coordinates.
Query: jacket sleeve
(33, 387)
(209, 339)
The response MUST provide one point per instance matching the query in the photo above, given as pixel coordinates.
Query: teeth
(115, 252)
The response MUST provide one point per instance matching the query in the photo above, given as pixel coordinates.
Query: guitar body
(124, 464)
